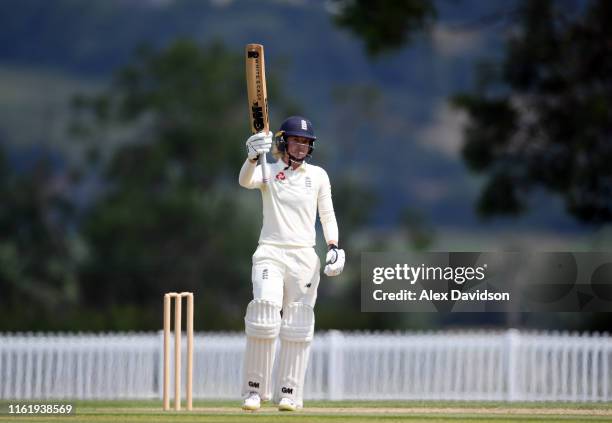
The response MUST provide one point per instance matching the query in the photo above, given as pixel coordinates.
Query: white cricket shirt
(290, 202)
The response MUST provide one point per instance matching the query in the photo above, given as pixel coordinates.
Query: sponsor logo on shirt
(280, 176)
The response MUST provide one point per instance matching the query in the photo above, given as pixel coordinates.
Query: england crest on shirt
(280, 177)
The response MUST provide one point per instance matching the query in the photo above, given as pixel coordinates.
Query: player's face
(298, 146)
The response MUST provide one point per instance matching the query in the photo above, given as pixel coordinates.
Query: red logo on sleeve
(280, 176)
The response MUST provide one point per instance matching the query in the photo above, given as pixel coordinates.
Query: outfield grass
(326, 411)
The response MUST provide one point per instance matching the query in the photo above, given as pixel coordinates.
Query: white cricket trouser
(286, 275)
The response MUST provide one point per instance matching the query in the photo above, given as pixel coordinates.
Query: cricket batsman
(285, 273)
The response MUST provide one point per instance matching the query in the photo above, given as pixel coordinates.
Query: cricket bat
(258, 96)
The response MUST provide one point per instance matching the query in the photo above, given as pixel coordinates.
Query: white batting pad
(262, 324)
(262, 319)
(296, 334)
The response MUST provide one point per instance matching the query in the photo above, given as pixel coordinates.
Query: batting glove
(257, 144)
(334, 261)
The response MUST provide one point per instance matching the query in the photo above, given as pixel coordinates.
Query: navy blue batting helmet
(298, 126)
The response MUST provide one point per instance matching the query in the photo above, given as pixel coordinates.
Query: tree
(384, 25)
(38, 247)
(167, 219)
(546, 119)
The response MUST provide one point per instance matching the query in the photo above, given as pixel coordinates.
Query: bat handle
(264, 168)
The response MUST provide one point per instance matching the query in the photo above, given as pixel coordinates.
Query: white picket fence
(499, 366)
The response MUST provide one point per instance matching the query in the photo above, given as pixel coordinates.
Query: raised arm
(250, 174)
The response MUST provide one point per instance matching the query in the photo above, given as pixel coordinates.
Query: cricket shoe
(287, 404)
(252, 402)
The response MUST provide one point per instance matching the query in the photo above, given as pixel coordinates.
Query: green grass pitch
(325, 411)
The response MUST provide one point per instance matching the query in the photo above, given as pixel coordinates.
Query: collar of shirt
(300, 168)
